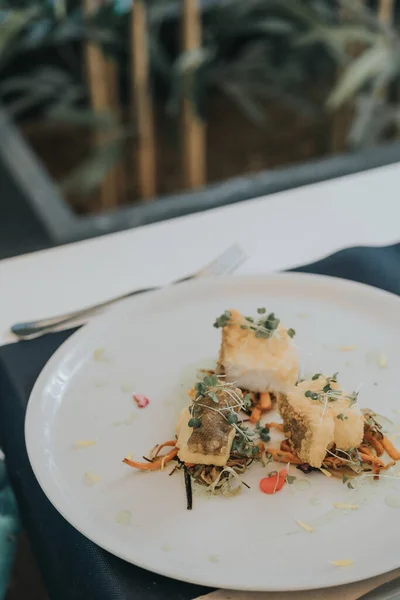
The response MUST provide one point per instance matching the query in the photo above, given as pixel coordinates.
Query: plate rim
(101, 320)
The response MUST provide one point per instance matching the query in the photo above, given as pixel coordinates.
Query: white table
(277, 232)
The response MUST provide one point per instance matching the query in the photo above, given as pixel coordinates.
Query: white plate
(153, 345)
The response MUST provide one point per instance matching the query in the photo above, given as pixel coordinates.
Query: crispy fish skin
(211, 443)
(313, 426)
(257, 364)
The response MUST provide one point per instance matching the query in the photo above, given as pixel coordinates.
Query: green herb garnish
(290, 479)
(246, 401)
(223, 320)
(342, 417)
(264, 434)
(316, 376)
(232, 418)
(346, 480)
(263, 327)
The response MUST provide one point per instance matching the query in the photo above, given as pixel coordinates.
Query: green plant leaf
(253, 110)
(13, 24)
(89, 175)
(361, 71)
(338, 36)
(85, 117)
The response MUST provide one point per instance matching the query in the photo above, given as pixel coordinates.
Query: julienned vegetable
(215, 446)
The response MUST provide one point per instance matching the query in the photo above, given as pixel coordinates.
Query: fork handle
(30, 329)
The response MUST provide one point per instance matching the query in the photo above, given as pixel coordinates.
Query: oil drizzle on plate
(393, 500)
(302, 485)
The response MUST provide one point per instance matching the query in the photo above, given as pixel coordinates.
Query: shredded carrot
(365, 450)
(389, 465)
(375, 443)
(255, 414)
(285, 457)
(372, 460)
(265, 401)
(285, 446)
(261, 447)
(155, 465)
(390, 449)
(161, 446)
(273, 425)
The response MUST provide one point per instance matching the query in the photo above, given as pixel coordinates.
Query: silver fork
(225, 263)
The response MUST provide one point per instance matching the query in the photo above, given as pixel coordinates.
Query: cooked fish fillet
(310, 430)
(315, 426)
(211, 443)
(257, 364)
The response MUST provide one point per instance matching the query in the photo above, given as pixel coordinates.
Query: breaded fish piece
(254, 363)
(211, 443)
(317, 425)
(310, 430)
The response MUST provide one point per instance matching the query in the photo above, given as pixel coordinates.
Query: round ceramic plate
(82, 421)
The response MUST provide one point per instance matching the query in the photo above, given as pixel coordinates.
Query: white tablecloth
(277, 232)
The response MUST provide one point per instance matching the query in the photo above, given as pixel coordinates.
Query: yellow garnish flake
(342, 563)
(124, 517)
(382, 361)
(346, 506)
(91, 478)
(304, 526)
(347, 348)
(84, 443)
(126, 388)
(100, 383)
(130, 455)
(98, 355)
(325, 472)
(214, 558)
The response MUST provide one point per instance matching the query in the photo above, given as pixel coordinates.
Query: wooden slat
(193, 129)
(112, 83)
(385, 10)
(101, 78)
(142, 105)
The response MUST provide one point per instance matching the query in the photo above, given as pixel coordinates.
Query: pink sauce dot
(141, 400)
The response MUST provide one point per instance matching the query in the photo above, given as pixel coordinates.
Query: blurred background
(106, 105)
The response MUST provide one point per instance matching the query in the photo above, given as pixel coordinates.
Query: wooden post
(193, 130)
(142, 105)
(102, 84)
(385, 11)
(112, 83)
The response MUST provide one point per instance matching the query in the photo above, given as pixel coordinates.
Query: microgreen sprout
(290, 479)
(347, 481)
(342, 417)
(265, 327)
